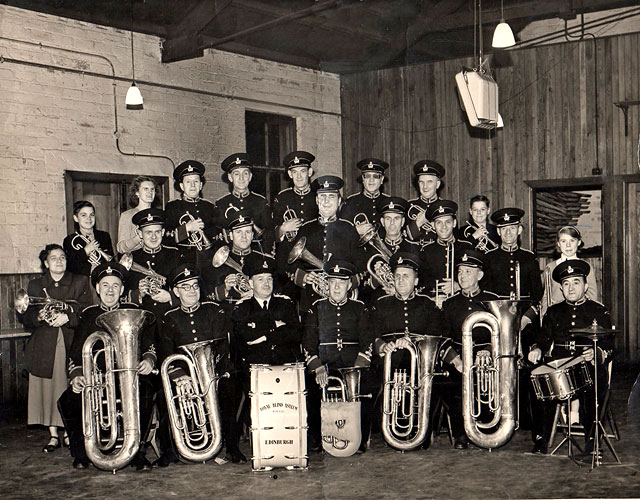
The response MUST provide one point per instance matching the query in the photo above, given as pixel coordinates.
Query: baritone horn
(222, 257)
(340, 413)
(192, 402)
(407, 393)
(197, 238)
(106, 417)
(321, 285)
(79, 241)
(489, 383)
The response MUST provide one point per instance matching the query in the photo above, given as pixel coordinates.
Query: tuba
(196, 238)
(321, 287)
(79, 241)
(340, 413)
(22, 301)
(106, 418)
(407, 395)
(489, 384)
(152, 283)
(193, 407)
(222, 258)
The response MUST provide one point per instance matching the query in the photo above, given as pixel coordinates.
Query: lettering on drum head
(278, 441)
(279, 407)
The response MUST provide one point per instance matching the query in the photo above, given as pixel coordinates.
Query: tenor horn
(380, 270)
(222, 257)
(107, 418)
(484, 243)
(290, 214)
(321, 286)
(340, 413)
(194, 411)
(489, 383)
(153, 281)
(407, 394)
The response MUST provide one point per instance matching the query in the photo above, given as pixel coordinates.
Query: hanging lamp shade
(503, 36)
(134, 97)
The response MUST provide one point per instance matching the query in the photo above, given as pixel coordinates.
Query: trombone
(79, 241)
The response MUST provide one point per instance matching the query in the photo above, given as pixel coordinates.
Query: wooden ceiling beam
(198, 18)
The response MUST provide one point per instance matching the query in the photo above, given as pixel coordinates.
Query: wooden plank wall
(548, 104)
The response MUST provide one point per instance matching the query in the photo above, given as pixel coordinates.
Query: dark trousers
(70, 407)
(449, 390)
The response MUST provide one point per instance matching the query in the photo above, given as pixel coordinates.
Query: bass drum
(560, 379)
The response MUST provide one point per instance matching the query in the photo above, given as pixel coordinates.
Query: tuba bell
(340, 413)
(321, 286)
(222, 257)
(407, 394)
(107, 418)
(194, 411)
(489, 384)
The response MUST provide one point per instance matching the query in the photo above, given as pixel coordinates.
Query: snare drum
(561, 378)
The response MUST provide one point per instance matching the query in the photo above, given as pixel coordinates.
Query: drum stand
(569, 436)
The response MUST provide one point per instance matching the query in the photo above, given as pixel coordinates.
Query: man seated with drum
(556, 342)
(469, 272)
(108, 279)
(337, 335)
(197, 321)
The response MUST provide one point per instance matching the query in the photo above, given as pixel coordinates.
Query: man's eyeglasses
(186, 287)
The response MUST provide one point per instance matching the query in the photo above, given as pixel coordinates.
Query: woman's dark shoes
(50, 447)
(80, 463)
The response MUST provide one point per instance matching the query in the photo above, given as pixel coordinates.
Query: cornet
(79, 241)
(290, 214)
(222, 258)
(52, 306)
(196, 238)
(152, 283)
(414, 211)
(484, 243)
(321, 285)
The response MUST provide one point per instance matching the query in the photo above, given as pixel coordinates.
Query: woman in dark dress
(52, 333)
(87, 246)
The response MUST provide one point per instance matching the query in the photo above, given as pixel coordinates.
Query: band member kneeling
(108, 280)
(196, 321)
(336, 335)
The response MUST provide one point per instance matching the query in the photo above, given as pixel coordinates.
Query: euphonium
(380, 270)
(484, 243)
(489, 384)
(340, 413)
(193, 407)
(196, 238)
(321, 286)
(22, 301)
(79, 241)
(152, 283)
(290, 214)
(222, 258)
(103, 421)
(407, 395)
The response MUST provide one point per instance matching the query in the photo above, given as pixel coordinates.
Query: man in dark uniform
(325, 236)
(469, 270)
(108, 280)
(502, 273)
(196, 321)
(364, 207)
(478, 231)
(428, 176)
(438, 257)
(237, 168)
(298, 201)
(336, 335)
(555, 342)
(156, 257)
(191, 217)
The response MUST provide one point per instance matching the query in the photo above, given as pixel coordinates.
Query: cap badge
(265, 265)
(296, 159)
(336, 269)
(465, 258)
(400, 261)
(189, 168)
(187, 272)
(506, 217)
(391, 205)
(149, 217)
(425, 167)
(370, 165)
(238, 161)
(240, 218)
(570, 269)
(109, 270)
(441, 209)
(326, 184)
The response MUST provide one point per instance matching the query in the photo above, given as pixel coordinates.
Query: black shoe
(461, 443)
(52, 445)
(236, 457)
(80, 463)
(362, 448)
(165, 460)
(315, 447)
(141, 463)
(540, 446)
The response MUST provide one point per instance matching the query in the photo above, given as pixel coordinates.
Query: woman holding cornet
(87, 246)
(55, 300)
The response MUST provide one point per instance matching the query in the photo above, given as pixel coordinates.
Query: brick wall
(53, 120)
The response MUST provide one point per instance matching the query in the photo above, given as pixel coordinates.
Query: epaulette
(414, 201)
(356, 300)
(599, 303)
(525, 250)
(171, 311)
(169, 247)
(258, 194)
(345, 220)
(385, 296)
(310, 221)
(492, 250)
(352, 196)
(318, 300)
(282, 296)
(243, 300)
(124, 305)
(452, 296)
(88, 307)
(209, 302)
(494, 294)
(284, 191)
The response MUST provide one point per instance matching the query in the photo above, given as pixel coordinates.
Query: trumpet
(222, 257)
(321, 285)
(449, 278)
(407, 396)
(484, 243)
(52, 306)
(152, 283)
(380, 270)
(194, 410)
(79, 241)
(290, 214)
(196, 238)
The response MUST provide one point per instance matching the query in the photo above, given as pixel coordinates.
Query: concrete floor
(440, 472)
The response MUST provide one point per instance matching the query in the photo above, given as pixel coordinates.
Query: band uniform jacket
(434, 264)
(563, 317)
(500, 275)
(178, 213)
(78, 260)
(466, 233)
(163, 261)
(39, 353)
(147, 338)
(392, 317)
(302, 203)
(260, 211)
(363, 203)
(456, 309)
(270, 336)
(204, 321)
(336, 334)
(423, 235)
